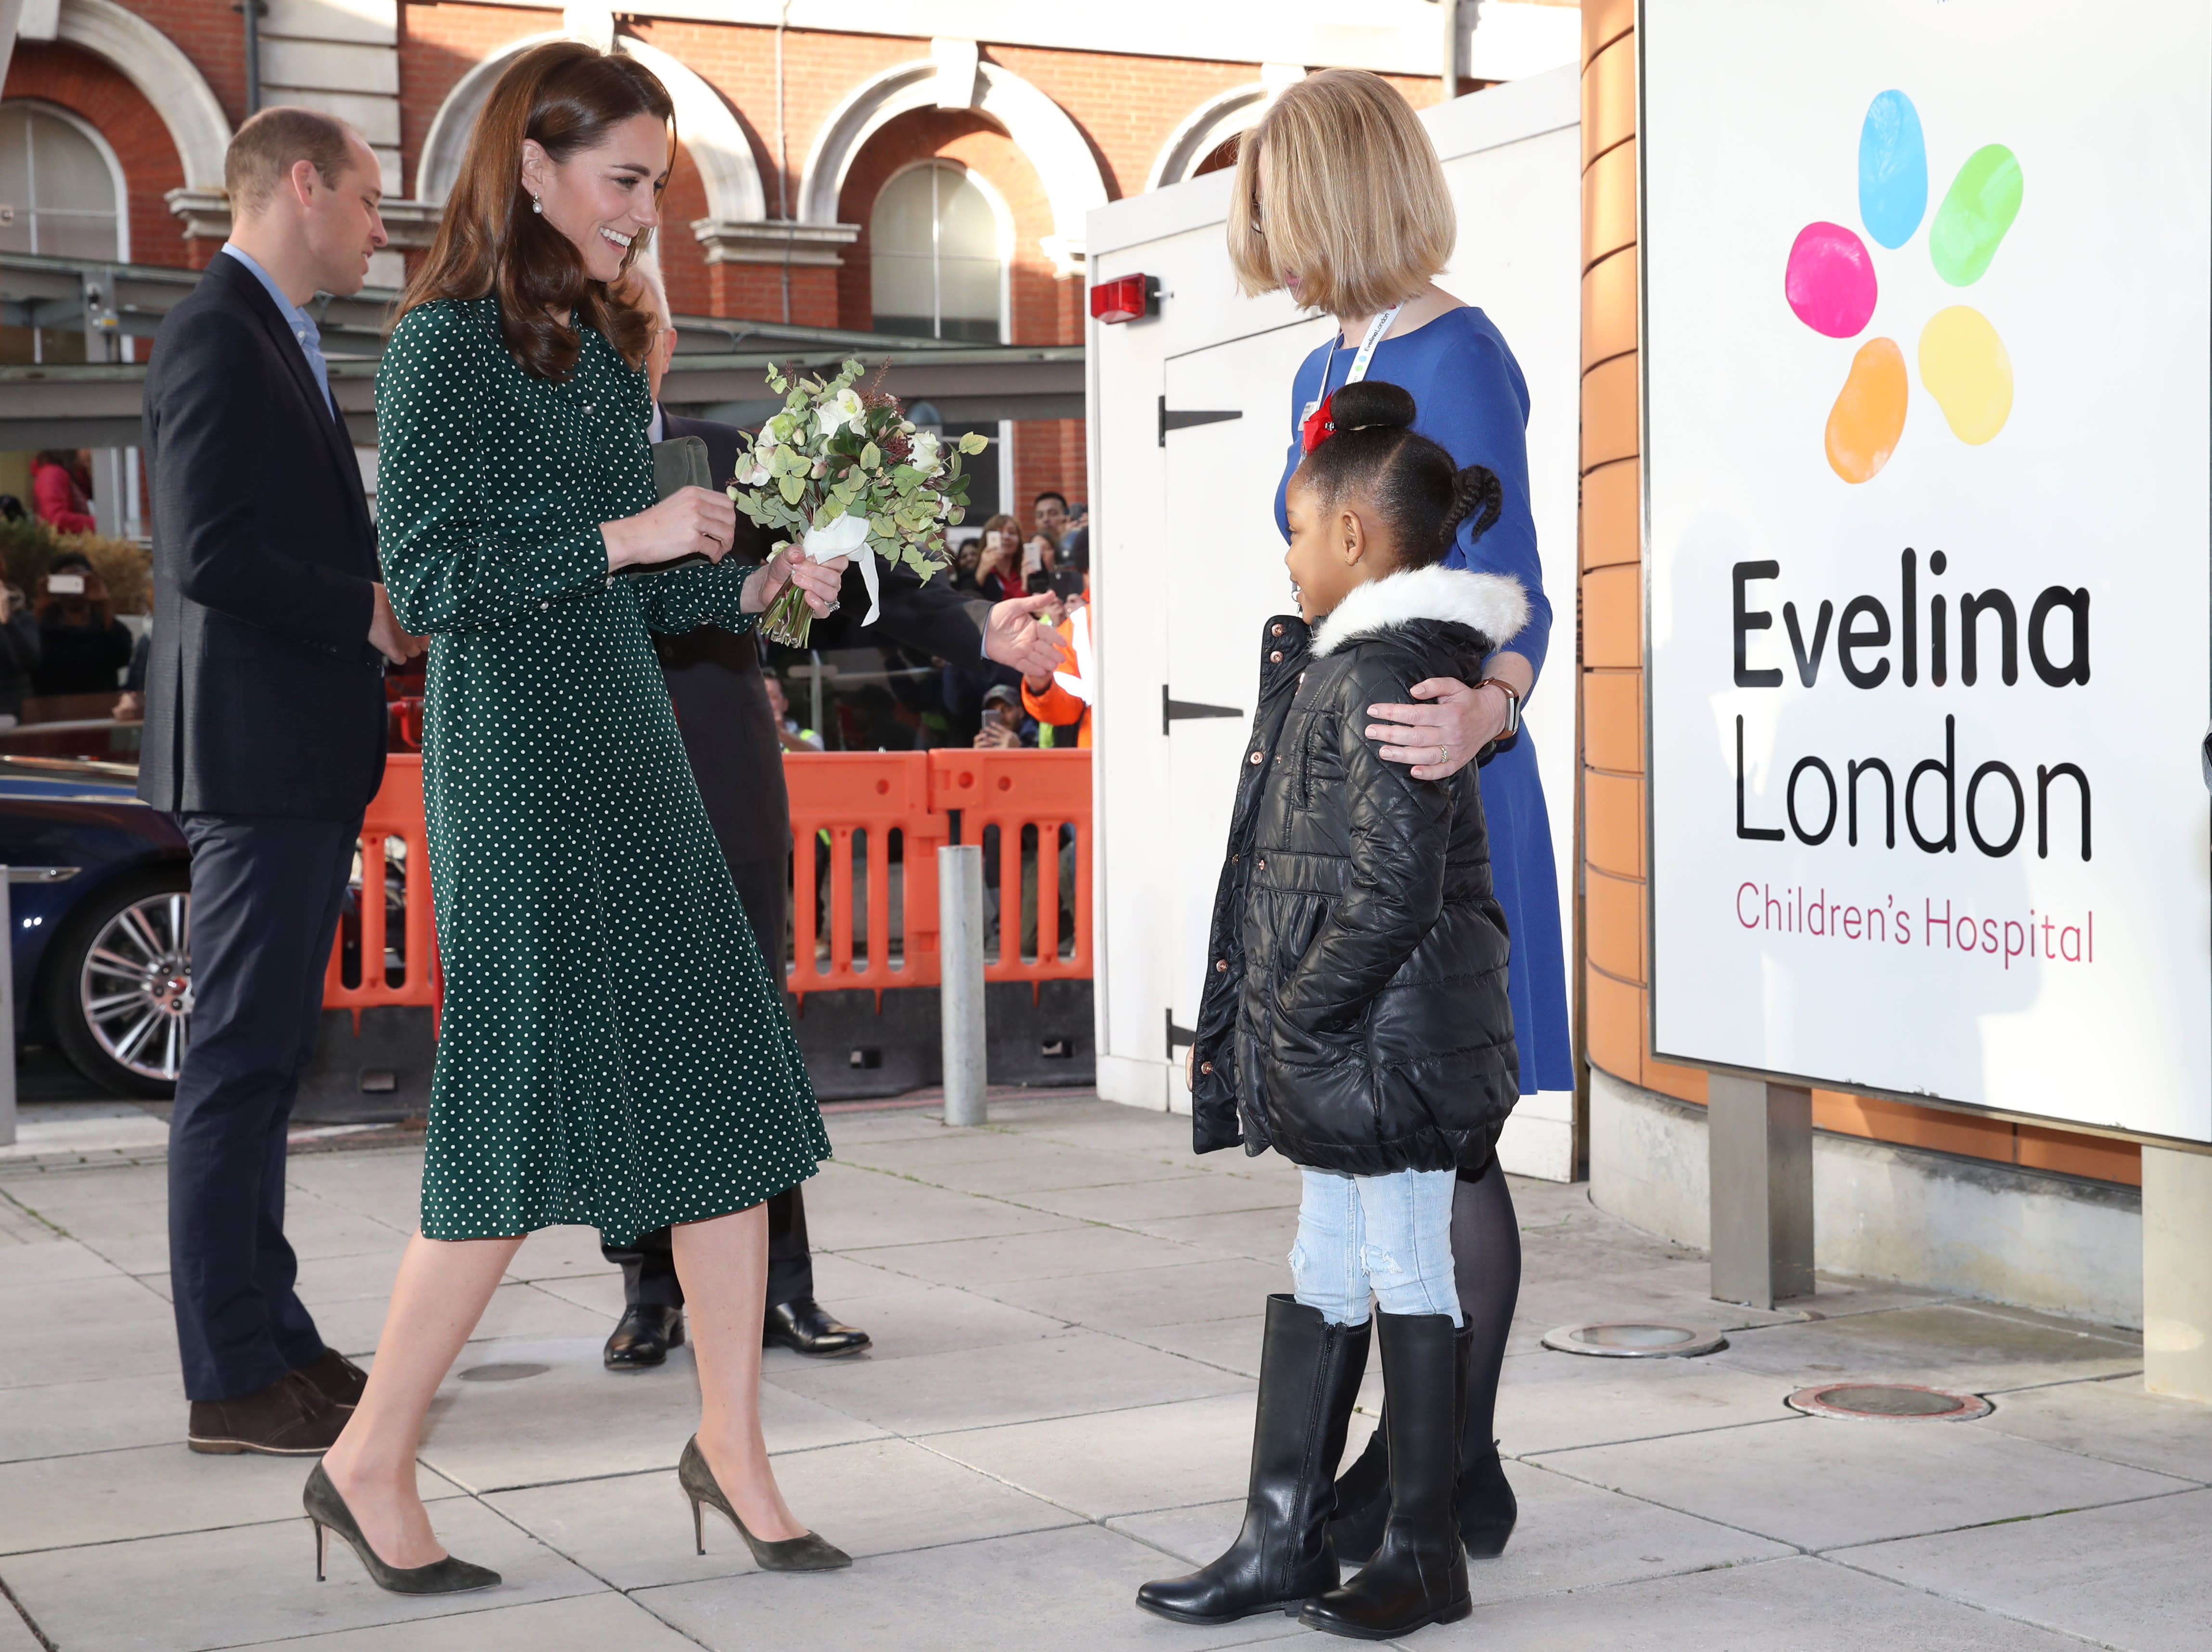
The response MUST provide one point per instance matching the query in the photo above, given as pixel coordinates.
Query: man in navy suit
(264, 738)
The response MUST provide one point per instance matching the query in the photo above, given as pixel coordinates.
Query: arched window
(61, 180)
(934, 250)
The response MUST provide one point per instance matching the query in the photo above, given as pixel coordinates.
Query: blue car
(99, 888)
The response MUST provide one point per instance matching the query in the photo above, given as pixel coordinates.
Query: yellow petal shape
(1964, 368)
(1869, 416)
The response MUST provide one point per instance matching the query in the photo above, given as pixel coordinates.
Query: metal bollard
(960, 925)
(7, 1014)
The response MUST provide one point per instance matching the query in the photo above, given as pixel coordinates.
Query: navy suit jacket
(263, 696)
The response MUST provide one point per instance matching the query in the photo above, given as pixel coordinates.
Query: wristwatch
(1512, 705)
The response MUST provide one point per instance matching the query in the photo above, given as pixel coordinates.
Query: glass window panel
(15, 162)
(966, 228)
(904, 214)
(933, 241)
(968, 289)
(71, 174)
(76, 235)
(902, 288)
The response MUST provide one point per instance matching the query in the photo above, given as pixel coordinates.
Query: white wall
(1187, 558)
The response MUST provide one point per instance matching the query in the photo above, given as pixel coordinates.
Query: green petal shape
(1983, 200)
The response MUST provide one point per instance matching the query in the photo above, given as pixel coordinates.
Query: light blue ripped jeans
(1389, 1236)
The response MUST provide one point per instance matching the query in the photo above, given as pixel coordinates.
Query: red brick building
(839, 168)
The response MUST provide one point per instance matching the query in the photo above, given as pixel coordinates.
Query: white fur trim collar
(1493, 604)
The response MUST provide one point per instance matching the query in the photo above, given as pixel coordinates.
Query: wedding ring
(1444, 754)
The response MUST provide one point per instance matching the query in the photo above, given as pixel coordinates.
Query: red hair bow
(1317, 429)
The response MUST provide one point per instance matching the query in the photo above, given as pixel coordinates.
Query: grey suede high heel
(806, 1552)
(328, 1512)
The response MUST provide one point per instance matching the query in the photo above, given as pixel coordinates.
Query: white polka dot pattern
(610, 1051)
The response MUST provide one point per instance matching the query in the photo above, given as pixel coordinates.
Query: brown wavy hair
(567, 95)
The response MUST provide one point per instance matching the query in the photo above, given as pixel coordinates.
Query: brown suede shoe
(340, 1380)
(288, 1418)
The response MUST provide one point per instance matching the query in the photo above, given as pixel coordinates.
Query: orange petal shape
(1869, 416)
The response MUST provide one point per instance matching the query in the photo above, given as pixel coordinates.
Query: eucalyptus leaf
(791, 487)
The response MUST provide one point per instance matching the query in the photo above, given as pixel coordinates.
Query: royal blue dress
(1473, 403)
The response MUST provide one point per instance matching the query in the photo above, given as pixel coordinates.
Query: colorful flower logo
(1830, 284)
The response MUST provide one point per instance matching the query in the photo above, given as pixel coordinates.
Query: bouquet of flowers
(843, 473)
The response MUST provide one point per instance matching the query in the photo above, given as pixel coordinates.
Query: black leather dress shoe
(801, 1325)
(643, 1336)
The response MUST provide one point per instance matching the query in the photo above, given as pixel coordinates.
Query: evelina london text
(2041, 936)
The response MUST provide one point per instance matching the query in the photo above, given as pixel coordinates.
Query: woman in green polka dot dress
(612, 1051)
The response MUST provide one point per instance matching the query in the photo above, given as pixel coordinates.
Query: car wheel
(118, 983)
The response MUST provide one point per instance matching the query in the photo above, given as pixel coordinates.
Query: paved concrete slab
(1067, 1308)
(2132, 1575)
(1550, 1401)
(1070, 1590)
(1077, 1373)
(1801, 1605)
(1571, 1536)
(112, 1496)
(1820, 1483)
(879, 1497)
(1974, 1347)
(2115, 1421)
(577, 1420)
(593, 1622)
(242, 1585)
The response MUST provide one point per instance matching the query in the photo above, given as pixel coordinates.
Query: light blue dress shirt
(301, 323)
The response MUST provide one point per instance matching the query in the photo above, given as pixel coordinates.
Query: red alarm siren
(1125, 298)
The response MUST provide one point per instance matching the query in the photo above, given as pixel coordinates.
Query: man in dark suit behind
(264, 737)
(730, 734)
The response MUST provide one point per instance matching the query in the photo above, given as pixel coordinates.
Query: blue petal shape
(1892, 170)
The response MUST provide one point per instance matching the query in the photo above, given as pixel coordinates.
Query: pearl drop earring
(537, 205)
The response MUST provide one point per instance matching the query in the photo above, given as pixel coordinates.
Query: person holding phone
(19, 654)
(995, 575)
(81, 645)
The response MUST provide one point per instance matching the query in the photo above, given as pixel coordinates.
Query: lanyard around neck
(1376, 329)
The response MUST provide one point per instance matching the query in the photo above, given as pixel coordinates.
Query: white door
(1226, 577)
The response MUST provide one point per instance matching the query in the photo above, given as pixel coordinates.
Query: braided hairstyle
(1368, 446)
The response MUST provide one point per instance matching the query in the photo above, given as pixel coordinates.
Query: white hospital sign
(1926, 289)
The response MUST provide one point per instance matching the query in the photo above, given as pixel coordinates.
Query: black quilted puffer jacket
(1355, 1015)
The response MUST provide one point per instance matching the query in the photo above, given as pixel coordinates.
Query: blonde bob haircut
(1340, 186)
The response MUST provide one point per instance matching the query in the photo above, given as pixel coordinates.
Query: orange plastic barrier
(838, 799)
(1011, 790)
(835, 796)
(396, 811)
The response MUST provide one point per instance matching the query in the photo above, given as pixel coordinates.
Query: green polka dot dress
(611, 1051)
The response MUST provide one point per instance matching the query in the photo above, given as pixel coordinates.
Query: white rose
(925, 456)
(840, 411)
(759, 476)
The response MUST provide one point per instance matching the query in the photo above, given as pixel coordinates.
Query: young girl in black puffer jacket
(1356, 1020)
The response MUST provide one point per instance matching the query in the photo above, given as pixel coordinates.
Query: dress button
(1221, 966)
(1263, 863)
(1206, 1067)
(587, 407)
(543, 606)
(1255, 756)
(1276, 629)
(1276, 657)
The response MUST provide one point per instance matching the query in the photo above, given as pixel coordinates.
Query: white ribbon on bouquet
(846, 536)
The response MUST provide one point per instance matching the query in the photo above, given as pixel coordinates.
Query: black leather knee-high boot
(1310, 1373)
(1419, 1575)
